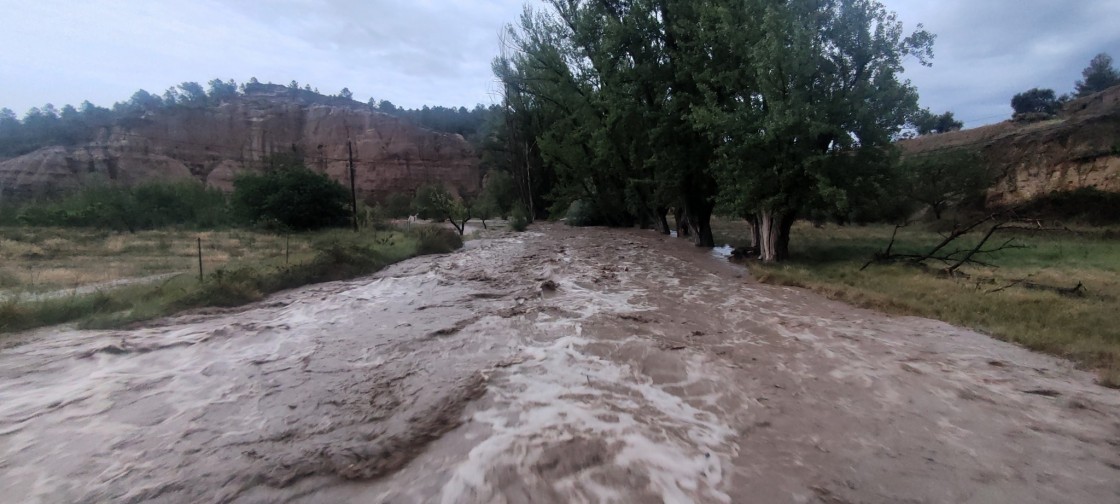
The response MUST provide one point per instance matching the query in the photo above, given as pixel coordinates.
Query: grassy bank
(239, 267)
(1083, 328)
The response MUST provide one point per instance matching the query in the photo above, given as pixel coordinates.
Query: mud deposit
(553, 366)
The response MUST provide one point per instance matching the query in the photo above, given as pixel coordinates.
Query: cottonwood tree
(817, 99)
(597, 94)
(776, 108)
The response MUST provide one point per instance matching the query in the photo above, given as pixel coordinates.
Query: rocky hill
(212, 144)
(1079, 148)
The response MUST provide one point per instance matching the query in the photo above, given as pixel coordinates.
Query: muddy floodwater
(556, 365)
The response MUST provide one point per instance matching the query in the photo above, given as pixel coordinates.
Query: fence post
(200, 259)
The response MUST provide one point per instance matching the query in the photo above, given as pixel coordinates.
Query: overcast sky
(438, 52)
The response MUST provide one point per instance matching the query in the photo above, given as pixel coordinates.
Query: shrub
(146, 206)
(16, 315)
(1087, 205)
(437, 240)
(499, 192)
(519, 219)
(292, 197)
(436, 202)
(397, 206)
(8, 280)
(581, 214)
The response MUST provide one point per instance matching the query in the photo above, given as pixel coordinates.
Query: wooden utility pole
(353, 190)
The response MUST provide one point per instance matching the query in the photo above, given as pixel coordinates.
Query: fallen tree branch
(1078, 290)
(953, 263)
(975, 249)
(887, 252)
(1008, 286)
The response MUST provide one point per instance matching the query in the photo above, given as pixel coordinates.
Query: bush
(292, 197)
(499, 192)
(581, 214)
(146, 206)
(16, 315)
(519, 219)
(397, 206)
(437, 240)
(1086, 205)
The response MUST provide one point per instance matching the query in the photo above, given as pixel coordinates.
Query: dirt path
(554, 366)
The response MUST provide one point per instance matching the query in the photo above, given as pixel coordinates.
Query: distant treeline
(49, 125)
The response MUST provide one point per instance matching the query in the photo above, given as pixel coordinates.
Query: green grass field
(57, 275)
(1083, 328)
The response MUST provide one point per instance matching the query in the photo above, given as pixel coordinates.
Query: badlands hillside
(1078, 148)
(212, 144)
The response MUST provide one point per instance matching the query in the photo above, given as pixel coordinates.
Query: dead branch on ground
(954, 260)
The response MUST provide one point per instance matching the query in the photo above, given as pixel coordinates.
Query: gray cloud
(986, 51)
(416, 52)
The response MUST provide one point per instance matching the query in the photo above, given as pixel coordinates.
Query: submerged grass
(330, 255)
(1082, 328)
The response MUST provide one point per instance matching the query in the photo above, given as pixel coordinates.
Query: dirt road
(552, 366)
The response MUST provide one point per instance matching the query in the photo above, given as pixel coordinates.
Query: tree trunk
(681, 221)
(699, 218)
(756, 238)
(662, 220)
(773, 231)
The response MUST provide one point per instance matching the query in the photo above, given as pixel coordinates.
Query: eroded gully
(552, 366)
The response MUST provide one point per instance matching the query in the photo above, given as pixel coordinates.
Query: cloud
(986, 51)
(410, 52)
(438, 52)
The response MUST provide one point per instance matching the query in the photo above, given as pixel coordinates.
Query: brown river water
(557, 365)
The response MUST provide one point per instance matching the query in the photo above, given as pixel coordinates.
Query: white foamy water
(560, 366)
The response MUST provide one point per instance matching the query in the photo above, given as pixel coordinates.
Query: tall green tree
(771, 108)
(191, 94)
(598, 94)
(221, 91)
(1098, 76)
(811, 103)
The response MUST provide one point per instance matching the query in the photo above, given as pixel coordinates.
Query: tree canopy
(770, 109)
(291, 196)
(926, 122)
(49, 125)
(940, 179)
(1098, 76)
(1036, 101)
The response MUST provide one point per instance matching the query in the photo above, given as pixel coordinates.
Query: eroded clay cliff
(1080, 148)
(213, 144)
